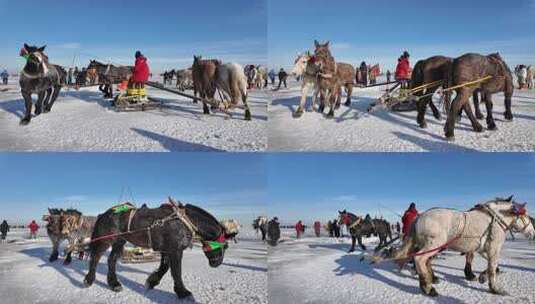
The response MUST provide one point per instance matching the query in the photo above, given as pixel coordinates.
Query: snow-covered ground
(319, 270)
(83, 121)
(26, 276)
(353, 129)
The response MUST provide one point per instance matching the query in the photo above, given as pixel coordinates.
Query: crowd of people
(33, 228)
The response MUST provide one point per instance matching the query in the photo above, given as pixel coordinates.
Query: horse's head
(346, 218)
(300, 64)
(515, 215)
(53, 219)
(212, 234)
(196, 59)
(321, 49)
(37, 59)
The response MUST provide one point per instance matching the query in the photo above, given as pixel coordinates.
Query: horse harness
(178, 214)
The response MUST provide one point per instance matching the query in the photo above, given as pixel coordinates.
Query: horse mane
(201, 211)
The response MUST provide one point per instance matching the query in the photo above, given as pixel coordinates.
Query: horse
(230, 79)
(169, 229)
(184, 80)
(204, 79)
(359, 227)
(42, 78)
(470, 67)
(260, 223)
(68, 225)
(481, 229)
(328, 78)
(345, 73)
(232, 228)
(531, 76)
(108, 75)
(306, 68)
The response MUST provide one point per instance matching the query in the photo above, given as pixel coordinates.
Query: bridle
(503, 224)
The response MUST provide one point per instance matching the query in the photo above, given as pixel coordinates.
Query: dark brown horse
(109, 74)
(328, 78)
(169, 229)
(204, 74)
(471, 67)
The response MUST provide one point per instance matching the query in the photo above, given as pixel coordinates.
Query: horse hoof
(347, 104)
(433, 292)
(330, 114)
(183, 294)
(479, 116)
(482, 279)
(436, 280)
(471, 278)
(117, 288)
(478, 129)
(508, 116)
(66, 262)
(87, 283)
(25, 121)
(37, 112)
(492, 127)
(351, 250)
(499, 292)
(422, 125)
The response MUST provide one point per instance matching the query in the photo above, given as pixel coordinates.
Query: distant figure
(408, 218)
(273, 231)
(317, 228)
(4, 229)
(388, 76)
(363, 73)
(70, 75)
(282, 78)
(272, 76)
(299, 229)
(336, 229)
(141, 71)
(398, 228)
(330, 229)
(75, 75)
(5, 77)
(33, 229)
(403, 70)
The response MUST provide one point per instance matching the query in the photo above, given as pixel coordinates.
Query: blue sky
(379, 30)
(227, 184)
(315, 186)
(168, 32)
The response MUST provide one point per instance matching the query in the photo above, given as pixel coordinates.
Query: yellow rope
(466, 84)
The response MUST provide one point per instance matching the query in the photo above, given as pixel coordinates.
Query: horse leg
(55, 253)
(116, 252)
(246, 105)
(457, 104)
(353, 241)
(263, 234)
(425, 276)
(39, 103)
(321, 107)
(68, 258)
(349, 87)
(434, 109)
(302, 103)
(434, 278)
(475, 100)
(508, 115)
(421, 106)
(475, 123)
(333, 95)
(55, 95)
(97, 249)
(359, 239)
(491, 125)
(175, 260)
(491, 271)
(468, 273)
(155, 277)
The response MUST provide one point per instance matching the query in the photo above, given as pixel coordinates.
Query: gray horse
(482, 229)
(42, 78)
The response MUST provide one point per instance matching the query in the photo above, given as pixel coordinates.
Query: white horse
(482, 229)
(260, 79)
(307, 70)
(231, 80)
(232, 228)
(530, 77)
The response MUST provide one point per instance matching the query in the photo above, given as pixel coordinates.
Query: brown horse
(471, 67)
(345, 73)
(204, 73)
(328, 78)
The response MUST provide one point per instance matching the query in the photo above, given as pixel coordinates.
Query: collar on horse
(501, 222)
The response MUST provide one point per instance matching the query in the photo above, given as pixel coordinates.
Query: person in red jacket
(33, 229)
(317, 228)
(403, 70)
(141, 71)
(299, 229)
(408, 218)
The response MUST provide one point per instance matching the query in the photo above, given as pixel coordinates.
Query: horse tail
(402, 253)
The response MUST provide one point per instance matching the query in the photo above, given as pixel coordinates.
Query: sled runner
(138, 255)
(131, 99)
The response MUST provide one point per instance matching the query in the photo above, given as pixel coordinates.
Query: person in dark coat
(330, 228)
(388, 76)
(336, 229)
(4, 229)
(282, 78)
(363, 73)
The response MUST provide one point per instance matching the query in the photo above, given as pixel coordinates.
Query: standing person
(5, 76)
(272, 76)
(69, 76)
(33, 229)
(388, 75)
(75, 75)
(141, 73)
(403, 70)
(330, 228)
(4, 229)
(282, 78)
(398, 228)
(408, 218)
(299, 229)
(317, 228)
(364, 73)
(336, 229)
